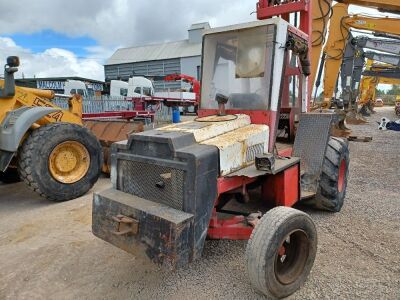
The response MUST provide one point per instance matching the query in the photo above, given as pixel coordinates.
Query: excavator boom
(382, 57)
(340, 25)
(381, 5)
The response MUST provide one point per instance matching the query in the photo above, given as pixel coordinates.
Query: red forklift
(226, 175)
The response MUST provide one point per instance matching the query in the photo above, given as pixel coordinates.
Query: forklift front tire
(281, 252)
(333, 181)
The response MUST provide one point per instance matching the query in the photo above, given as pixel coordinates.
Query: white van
(119, 88)
(140, 86)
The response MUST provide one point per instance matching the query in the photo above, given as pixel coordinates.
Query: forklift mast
(296, 95)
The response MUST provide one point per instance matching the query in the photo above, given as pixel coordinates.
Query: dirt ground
(47, 249)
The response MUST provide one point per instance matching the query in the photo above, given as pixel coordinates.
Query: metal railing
(98, 105)
(162, 113)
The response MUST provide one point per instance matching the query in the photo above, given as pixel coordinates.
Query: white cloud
(121, 22)
(51, 62)
(112, 23)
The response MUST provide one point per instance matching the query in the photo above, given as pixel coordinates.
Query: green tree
(395, 90)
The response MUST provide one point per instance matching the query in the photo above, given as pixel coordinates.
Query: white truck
(140, 86)
(119, 88)
(76, 87)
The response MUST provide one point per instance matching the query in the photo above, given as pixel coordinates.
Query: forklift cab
(247, 64)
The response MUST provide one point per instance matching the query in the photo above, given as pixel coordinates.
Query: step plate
(310, 145)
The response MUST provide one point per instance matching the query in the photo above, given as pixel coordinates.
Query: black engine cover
(173, 171)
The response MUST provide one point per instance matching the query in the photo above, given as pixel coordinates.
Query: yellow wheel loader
(54, 154)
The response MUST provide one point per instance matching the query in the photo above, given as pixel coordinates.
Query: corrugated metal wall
(150, 68)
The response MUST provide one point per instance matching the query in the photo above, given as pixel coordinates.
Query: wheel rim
(342, 175)
(69, 162)
(292, 256)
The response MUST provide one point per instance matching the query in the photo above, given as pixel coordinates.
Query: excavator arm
(384, 45)
(340, 25)
(322, 12)
(381, 5)
(382, 57)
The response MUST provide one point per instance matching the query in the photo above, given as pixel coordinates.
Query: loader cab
(246, 63)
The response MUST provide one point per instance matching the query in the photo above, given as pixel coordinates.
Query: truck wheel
(60, 161)
(333, 180)
(281, 252)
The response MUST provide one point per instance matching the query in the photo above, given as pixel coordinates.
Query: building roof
(57, 79)
(200, 26)
(155, 52)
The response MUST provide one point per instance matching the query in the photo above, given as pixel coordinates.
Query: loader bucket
(108, 132)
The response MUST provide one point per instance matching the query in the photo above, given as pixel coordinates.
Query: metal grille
(252, 151)
(153, 182)
(310, 145)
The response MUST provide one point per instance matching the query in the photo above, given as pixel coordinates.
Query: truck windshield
(238, 64)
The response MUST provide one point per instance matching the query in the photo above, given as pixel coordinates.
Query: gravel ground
(47, 249)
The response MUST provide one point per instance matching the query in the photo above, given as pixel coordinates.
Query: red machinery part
(189, 79)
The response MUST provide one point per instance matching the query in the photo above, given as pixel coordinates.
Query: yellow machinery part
(34, 97)
(386, 5)
(321, 13)
(69, 162)
(339, 28)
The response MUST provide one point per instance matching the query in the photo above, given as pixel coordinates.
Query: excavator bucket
(354, 118)
(108, 132)
(339, 128)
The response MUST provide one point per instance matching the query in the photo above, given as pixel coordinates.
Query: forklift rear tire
(281, 252)
(60, 161)
(333, 180)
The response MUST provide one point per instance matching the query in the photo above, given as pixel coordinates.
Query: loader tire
(281, 252)
(333, 181)
(60, 161)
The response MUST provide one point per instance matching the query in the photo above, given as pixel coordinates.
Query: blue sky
(40, 41)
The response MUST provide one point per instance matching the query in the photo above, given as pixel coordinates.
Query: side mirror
(13, 61)
(10, 68)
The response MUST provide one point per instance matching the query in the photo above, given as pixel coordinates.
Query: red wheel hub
(342, 175)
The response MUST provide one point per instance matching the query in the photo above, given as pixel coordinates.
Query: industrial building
(57, 84)
(183, 57)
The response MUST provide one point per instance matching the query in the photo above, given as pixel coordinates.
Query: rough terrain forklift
(225, 175)
(54, 154)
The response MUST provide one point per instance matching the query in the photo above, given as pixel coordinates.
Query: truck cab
(140, 86)
(76, 87)
(119, 88)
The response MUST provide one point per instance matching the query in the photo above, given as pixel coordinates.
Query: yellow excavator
(323, 12)
(368, 89)
(338, 22)
(385, 74)
(339, 31)
(55, 155)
